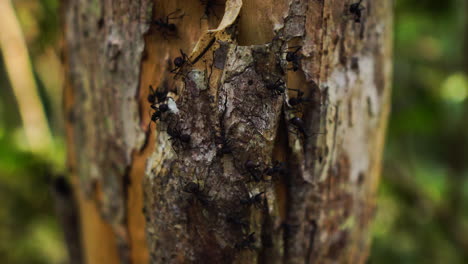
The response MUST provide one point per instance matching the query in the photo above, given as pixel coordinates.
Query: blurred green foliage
(29, 232)
(422, 215)
(423, 199)
(28, 228)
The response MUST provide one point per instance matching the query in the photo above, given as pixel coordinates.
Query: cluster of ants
(256, 200)
(161, 103)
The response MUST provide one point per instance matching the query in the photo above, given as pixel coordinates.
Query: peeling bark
(210, 199)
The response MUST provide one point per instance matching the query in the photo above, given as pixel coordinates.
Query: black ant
(276, 88)
(167, 29)
(277, 169)
(247, 242)
(179, 62)
(178, 137)
(256, 200)
(194, 189)
(156, 96)
(161, 108)
(157, 115)
(356, 10)
(299, 100)
(294, 58)
(236, 220)
(289, 229)
(299, 125)
(252, 170)
(226, 145)
(209, 8)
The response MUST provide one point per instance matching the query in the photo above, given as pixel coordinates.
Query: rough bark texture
(196, 194)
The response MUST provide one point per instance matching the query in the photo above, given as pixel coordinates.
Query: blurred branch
(19, 69)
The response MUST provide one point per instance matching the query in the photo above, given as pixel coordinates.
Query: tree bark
(146, 194)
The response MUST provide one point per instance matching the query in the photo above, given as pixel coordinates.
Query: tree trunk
(202, 185)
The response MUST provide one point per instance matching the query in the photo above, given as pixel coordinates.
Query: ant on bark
(298, 101)
(247, 242)
(180, 61)
(252, 169)
(299, 125)
(289, 229)
(177, 137)
(157, 115)
(156, 96)
(237, 221)
(194, 189)
(209, 8)
(276, 170)
(166, 28)
(224, 144)
(356, 10)
(256, 200)
(276, 88)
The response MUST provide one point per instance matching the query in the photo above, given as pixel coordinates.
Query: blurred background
(423, 198)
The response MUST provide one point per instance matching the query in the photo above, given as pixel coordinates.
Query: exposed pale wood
(99, 241)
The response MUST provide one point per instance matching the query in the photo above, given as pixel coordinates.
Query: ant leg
(159, 28)
(185, 57)
(214, 11)
(295, 90)
(174, 34)
(149, 126)
(204, 17)
(172, 13)
(295, 110)
(164, 34)
(153, 91)
(173, 142)
(151, 115)
(175, 70)
(298, 133)
(175, 18)
(201, 18)
(297, 48)
(293, 131)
